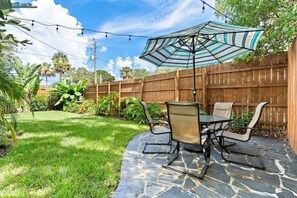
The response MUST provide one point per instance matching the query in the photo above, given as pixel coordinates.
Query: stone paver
(142, 175)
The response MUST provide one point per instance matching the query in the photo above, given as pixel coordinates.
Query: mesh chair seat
(227, 153)
(185, 127)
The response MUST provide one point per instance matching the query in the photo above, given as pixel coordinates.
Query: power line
(46, 43)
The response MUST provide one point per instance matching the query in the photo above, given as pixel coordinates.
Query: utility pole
(95, 69)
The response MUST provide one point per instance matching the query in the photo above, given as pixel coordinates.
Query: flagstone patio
(142, 175)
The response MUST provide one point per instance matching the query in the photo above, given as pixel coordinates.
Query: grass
(66, 155)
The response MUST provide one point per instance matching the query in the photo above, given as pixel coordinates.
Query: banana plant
(69, 92)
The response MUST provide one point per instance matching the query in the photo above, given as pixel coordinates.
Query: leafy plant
(87, 106)
(40, 103)
(108, 106)
(68, 92)
(4, 142)
(241, 120)
(132, 110)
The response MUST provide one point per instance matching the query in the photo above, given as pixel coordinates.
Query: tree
(126, 73)
(11, 90)
(47, 71)
(162, 70)
(61, 63)
(27, 75)
(78, 74)
(278, 19)
(140, 73)
(103, 76)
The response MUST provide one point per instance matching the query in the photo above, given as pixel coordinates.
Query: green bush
(108, 106)
(4, 141)
(241, 120)
(68, 92)
(132, 110)
(39, 103)
(87, 106)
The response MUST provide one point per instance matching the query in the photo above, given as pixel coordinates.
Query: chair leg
(204, 168)
(241, 162)
(157, 144)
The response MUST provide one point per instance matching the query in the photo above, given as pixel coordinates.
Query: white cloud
(167, 15)
(120, 63)
(46, 40)
(139, 63)
(103, 49)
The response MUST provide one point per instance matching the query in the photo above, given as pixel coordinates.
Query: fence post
(176, 86)
(120, 89)
(141, 89)
(97, 90)
(108, 88)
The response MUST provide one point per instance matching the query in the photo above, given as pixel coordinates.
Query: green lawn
(66, 155)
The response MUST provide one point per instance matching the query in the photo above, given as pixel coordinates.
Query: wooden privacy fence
(246, 85)
(292, 96)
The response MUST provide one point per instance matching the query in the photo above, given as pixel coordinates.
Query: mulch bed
(4, 150)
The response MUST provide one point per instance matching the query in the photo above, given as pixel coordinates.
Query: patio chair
(185, 127)
(240, 156)
(156, 128)
(223, 109)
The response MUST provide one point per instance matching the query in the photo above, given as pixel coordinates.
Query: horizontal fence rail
(245, 84)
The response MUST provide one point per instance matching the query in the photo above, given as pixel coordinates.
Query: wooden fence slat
(246, 85)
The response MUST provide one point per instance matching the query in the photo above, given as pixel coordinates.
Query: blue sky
(136, 17)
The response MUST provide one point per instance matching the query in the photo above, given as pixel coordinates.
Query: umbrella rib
(209, 51)
(175, 49)
(227, 43)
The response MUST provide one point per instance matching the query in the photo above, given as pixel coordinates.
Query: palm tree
(61, 63)
(47, 71)
(126, 73)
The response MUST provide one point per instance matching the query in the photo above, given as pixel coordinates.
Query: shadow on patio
(142, 175)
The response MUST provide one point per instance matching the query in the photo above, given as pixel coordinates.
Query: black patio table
(206, 120)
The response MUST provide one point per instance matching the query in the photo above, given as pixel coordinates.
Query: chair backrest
(147, 115)
(223, 109)
(255, 119)
(184, 122)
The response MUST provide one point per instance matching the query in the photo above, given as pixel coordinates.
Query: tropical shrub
(108, 106)
(40, 103)
(68, 92)
(87, 106)
(4, 141)
(132, 110)
(240, 120)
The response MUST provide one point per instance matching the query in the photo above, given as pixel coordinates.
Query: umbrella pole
(194, 71)
(194, 79)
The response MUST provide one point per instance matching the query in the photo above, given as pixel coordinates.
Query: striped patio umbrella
(205, 44)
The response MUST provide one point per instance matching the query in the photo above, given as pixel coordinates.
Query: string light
(58, 26)
(32, 24)
(203, 7)
(129, 38)
(82, 31)
(215, 11)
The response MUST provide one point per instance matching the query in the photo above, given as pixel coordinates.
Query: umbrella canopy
(205, 44)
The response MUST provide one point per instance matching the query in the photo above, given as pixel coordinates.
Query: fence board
(292, 96)
(246, 85)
